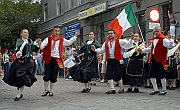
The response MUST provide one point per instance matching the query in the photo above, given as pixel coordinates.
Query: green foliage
(15, 16)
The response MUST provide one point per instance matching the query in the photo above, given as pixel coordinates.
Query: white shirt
(168, 43)
(90, 41)
(123, 43)
(55, 51)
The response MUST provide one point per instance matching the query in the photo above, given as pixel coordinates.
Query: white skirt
(68, 63)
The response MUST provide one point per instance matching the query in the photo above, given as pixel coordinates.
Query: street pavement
(67, 96)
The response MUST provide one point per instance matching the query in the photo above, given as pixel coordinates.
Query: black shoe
(111, 92)
(50, 94)
(129, 90)
(45, 93)
(163, 93)
(17, 98)
(21, 96)
(167, 87)
(88, 90)
(121, 91)
(94, 84)
(136, 90)
(154, 92)
(147, 86)
(172, 88)
(84, 90)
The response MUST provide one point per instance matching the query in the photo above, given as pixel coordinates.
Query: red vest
(160, 52)
(117, 50)
(47, 50)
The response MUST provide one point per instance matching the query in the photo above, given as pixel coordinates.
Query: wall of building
(98, 23)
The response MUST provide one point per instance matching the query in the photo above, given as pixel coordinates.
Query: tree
(16, 16)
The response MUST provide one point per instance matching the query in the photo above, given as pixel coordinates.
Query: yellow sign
(92, 11)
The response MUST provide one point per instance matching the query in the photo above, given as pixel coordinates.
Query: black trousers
(113, 70)
(157, 70)
(51, 71)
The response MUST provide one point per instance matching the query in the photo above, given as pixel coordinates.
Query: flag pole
(141, 32)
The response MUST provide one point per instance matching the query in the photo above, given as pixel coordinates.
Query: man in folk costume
(159, 63)
(52, 55)
(112, 47)
(135, 66)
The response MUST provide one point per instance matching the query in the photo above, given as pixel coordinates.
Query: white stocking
(120, 84)
(51, 86)
(20, 91)
(111, 84)
(153, 81)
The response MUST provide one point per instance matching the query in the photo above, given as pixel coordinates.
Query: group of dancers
(21, 72)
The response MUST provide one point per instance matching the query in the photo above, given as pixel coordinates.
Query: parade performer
(159, 62)
(52, 55)
(22, 70)
(147, 64)
(135, 66)
(172, 73)
(88, 68)
(112, 47)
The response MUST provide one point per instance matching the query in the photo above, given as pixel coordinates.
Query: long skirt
(172, 73)
(134, 72)
(87, 69)
(21, 73)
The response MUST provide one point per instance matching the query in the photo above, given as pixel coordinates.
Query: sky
(37, 0)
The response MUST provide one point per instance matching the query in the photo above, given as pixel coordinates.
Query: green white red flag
(123, 21)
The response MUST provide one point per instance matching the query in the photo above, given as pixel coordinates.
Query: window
(45, 12)
(100, 33)
(70, 3)
(165, 18)
(58, 7)
(79, 2)
(81, 35)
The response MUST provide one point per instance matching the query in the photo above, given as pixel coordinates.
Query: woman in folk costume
(159, 63)
(88, 68)
(112, 47)
(53, 56)
(172, 74)
(21, 72)
(135, 66)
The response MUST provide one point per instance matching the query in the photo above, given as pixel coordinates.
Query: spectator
(172, 22)
(6, 61)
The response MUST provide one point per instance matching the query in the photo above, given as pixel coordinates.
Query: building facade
(95, 15)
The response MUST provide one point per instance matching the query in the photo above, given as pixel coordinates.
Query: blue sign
(71, 29)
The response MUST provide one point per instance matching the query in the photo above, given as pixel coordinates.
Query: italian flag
(123, 21)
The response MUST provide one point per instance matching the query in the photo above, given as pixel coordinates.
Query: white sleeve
(125, 43)
(147, 50)
(70, 41)
(101, 50)
(44, 43)
(168, 43)
(36, 44)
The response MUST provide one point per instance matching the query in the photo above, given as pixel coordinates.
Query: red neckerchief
(54, 39)
(111, 40)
